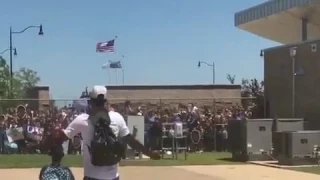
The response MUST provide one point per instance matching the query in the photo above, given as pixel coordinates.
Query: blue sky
(162, 41)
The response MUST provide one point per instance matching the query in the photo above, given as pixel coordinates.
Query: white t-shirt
(82, 125)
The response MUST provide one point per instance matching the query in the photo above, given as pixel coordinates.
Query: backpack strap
(108, 117)
(94, 122)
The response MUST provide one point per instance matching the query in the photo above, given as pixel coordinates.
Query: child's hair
(56, 152)
(55, 170)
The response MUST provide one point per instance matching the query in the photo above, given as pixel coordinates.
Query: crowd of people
(211, 125)
(23, 130)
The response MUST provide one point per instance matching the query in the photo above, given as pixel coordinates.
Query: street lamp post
(11, 48)
(213, 69)
(14, 51)
(293, 52)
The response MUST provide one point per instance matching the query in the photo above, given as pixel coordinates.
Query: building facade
(293, 93)
(39, 97)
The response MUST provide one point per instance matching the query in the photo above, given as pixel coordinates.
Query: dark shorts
(89, 178)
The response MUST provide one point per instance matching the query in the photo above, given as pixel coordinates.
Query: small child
(55, 171)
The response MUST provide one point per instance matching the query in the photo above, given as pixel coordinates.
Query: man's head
(21, 111)
(98, 97)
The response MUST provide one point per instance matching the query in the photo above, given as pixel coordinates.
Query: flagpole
(116, 76)
(122, 76)
(109, 75)
(107, 47)
(116, 68)
(122, 70)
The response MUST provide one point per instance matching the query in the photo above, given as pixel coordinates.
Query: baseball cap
(97, 91)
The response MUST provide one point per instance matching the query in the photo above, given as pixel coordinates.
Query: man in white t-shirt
(81, 124)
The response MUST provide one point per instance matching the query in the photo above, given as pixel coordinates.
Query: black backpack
(105, 148)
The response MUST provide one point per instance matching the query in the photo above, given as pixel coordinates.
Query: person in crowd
(154, 133)
(86, 125)
(208, 136)
(224, 135)
(2, 132)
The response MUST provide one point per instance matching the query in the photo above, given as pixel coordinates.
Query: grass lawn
(314, 170)
(34, 161)
(212, 158)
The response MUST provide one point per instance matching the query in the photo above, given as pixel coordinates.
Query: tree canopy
(23, 80)
(231, 78)
(252, 88)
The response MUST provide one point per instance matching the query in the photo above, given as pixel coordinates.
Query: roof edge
(291, 44)
(190, 87)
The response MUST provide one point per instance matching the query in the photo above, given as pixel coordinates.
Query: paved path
(223, 172)
(249, 172)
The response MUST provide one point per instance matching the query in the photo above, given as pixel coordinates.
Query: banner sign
(35, 137)
(14, 134)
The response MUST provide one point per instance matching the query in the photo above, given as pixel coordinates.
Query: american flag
(105, 46)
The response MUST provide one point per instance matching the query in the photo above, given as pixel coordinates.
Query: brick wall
(201, 95)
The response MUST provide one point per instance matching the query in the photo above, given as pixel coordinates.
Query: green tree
(253, 89)
(23, 80)
(4, 78)
(231, 78)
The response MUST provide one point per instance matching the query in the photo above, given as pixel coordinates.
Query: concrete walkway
(249, 172)
(222, 172)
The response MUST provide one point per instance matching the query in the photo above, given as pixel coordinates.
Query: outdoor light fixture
(211, 65)
(293, 51)
(261, 53)
(15, 52)
(40, 30)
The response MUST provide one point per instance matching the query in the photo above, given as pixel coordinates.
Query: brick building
(40, 96)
